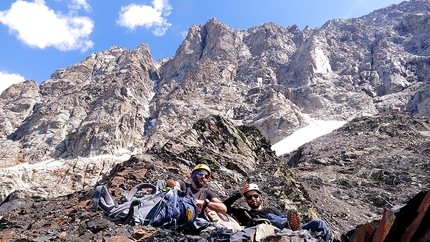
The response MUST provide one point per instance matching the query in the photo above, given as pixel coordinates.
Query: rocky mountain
(120, 102)
(66, 134)
(369, 164)
(237, 154)
(234, 154)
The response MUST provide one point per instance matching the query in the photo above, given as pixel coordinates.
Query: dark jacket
(241, 216)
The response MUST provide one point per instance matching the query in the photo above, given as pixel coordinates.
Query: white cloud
(6, 80)
(134, 15)
(78, 4)
(38, 26)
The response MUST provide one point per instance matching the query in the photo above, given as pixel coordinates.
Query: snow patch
(53, 164)
(35, 166)
(315, 129)
(123, 157)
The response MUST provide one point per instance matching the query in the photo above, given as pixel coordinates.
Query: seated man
(204, 198)
(254, 199)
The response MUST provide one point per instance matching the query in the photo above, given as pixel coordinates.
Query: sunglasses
(202, 173)
(252, 196)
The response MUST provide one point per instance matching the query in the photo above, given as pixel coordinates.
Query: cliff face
(63, 135)
(345, 178)
(66, 134)
(269, 76)
(369, 164)
(233, 153)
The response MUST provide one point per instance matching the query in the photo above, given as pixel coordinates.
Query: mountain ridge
(236, 154)
(269, 77)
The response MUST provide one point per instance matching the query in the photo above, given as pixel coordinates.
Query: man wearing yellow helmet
(205, 198)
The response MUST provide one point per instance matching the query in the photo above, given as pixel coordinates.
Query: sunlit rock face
(79, 123)
(120, 102)
(369, 164)
(269, 76)
(349, 177)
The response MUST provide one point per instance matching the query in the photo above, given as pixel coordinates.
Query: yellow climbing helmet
(203, 166)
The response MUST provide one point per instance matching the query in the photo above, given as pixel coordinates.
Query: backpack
(162, 208)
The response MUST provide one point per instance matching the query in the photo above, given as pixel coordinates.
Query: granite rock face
(63, 135)
(237, 154)
(269, 76)
(233, 153)
(369, 164)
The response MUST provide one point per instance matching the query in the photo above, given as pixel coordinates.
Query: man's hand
(173, 184)
(243, 190)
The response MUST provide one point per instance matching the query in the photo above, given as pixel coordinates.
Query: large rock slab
(74, 127)
(234, 154)
(369, 164)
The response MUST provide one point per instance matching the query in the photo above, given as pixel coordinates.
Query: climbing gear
(162, 208)
(255, 221)
(224, 220)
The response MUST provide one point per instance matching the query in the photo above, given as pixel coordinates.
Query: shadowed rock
(235, 154)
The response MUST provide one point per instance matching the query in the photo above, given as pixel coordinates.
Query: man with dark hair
(204, 198)
(254, 199)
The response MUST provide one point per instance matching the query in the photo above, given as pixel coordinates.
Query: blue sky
(40, 36)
